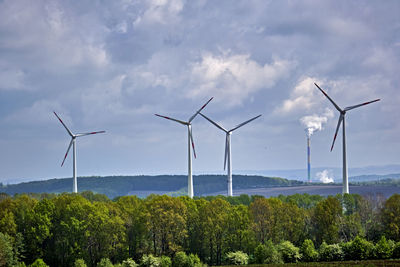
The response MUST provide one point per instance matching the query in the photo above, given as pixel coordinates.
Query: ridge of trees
(92, 229)
(114, 186)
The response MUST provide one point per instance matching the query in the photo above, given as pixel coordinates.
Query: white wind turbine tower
(190, 144)
(73, 137)
(342, 120)
(228, 148)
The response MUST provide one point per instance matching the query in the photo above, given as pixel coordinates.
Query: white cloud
(302, 98)
(160, 12)
(233, 78)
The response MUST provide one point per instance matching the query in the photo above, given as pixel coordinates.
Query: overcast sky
(110, 65)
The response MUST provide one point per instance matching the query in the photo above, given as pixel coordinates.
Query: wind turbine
(228, 147)
(73, 137)
(190, 144)
(342, 120)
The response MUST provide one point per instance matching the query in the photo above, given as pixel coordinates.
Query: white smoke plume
(324, 177)
(314, 122)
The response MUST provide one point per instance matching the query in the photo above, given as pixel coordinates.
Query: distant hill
(114, 186)
(374, 178)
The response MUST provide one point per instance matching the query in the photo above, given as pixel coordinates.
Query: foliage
(289, 252)
(396, 251)
(61, 229)
(79, 263)
(391, 218)
(333, 252)
(326, 218)
(267, 253)
(237, 258)
(38, 263)
(383, 249)
(150, 261)
(129, 263)
(6, 251)
(359, 248)
(105, 262)
(308, 251)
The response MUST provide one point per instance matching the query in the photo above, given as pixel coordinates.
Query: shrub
(165, 261)
(358, 249)
(396, 251)
(332, 252)
(183, 260)
(237, 258)
(383, 249)
(150, 261)
(38, 263)
(267, 253)
(105, 262)
(308, 251)
(289, 252)
(129, 263)
(80, 263)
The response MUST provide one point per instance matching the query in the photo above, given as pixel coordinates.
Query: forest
(114, 186)
(88, 229)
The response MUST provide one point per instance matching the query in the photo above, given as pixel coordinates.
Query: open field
(369, 263)
(323, 190)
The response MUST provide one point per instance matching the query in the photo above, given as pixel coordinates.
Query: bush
(183, 260)
(150, 261)
(396, 251)
(237, 258)
(38, 263)
(165, 261)
(383, 249)
(105, 262)
(308, 251)
(358, 249)
(332, 252)
(267, 253)
(129, 263)
(289, 252)
(80, 263)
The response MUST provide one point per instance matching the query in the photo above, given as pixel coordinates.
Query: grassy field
(371, 263)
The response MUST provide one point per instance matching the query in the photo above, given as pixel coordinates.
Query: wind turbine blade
(66, 128)
(244, 123)
(216, 125)
(191, 139)
(359, 105)
(66, 154)
(330, 99)
(337, 129)
(226, 150)
(172, 119)
(194, 115)
(83, 134)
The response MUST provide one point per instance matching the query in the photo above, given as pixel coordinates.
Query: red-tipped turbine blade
(226, 149)
(66, 128)
(83, 134)
(66, 154)
(172, 119)
(215, 124)
(194, 115)
(191, 139)
(244, 123)
(359, 105)
(330, 99)
(337, 129)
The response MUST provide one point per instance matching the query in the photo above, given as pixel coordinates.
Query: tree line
(65, 229)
